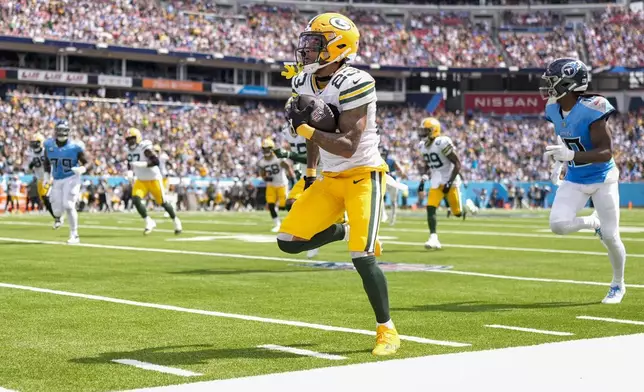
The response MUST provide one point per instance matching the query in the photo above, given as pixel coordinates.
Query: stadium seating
(225, 139)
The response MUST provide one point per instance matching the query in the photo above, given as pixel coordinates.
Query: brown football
(323, 117)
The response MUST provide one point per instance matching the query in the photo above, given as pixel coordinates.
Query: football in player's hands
(321, 116)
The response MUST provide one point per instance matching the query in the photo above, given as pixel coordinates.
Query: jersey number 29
(433, 160)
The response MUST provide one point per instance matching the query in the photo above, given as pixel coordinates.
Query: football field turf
(124, 311)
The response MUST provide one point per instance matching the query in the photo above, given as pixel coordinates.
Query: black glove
(308, 181)
(447, 187)
(297, 117)
(281, 153)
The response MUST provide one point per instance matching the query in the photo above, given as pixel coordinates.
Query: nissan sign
(504, 103)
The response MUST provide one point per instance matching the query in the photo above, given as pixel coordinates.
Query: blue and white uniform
(65, 190)
(584, 180)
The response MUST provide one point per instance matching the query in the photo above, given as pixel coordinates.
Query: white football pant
(572, 197)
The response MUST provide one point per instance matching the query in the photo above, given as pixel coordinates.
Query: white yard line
(228, 315)
(445, 245)
(156, 368)
(611, 320)
(501, 234)
(306, 261)
(6, 390)
(516, 249)
(541, 331)
(300, 351)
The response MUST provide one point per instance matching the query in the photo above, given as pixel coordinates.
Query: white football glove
(79, 170)
(560, 151)
(139, 164)
(129, 174)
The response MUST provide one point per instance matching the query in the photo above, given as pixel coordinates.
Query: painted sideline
(293, 260)
(156, 368)
(228, 315)
(300, 351)
(521, 329)
(463, 246)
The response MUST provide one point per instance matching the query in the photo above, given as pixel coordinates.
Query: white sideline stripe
(228, 315)
(541, 331)
(214, 222)
(156, 368)
(306, 261)
(506, 234)
(611, 320)
(300, 351)
(464, 246)
(510, 248)
(6, 390)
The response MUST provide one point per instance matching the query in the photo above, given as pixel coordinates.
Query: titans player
(66, 160)
(394, 170)
(584, 143)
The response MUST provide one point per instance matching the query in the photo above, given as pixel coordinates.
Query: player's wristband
(305, 130)
(311, 172)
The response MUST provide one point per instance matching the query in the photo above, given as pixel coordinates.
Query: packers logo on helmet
(36, 141)
(133, 137)
(328, 38)
(429, 128)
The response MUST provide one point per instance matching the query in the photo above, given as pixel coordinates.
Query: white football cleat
(470, 207)
(385, 217)
(57, 223)
(150, 225)
(177, 226)
(432, 242)
(275, 229)
(615, 295)
(73, 240)
(312, 253)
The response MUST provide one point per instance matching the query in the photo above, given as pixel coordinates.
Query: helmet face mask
(131, 141)
(311, 49)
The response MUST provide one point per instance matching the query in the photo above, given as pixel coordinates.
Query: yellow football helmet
(36, 141)
(429, 128)
(268, 145)
(328, 38)
(133, 137)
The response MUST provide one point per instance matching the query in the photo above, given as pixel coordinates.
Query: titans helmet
(563, 76)
(62, 131)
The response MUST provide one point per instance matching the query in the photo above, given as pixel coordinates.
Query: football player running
(144, 162)
(36, 159)
(274, 172)
(67, 161)
(354, 172)
(445, 181)
(584, 143)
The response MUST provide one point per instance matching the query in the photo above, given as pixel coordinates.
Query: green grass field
(190, 299)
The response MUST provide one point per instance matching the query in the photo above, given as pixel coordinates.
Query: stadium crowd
(262, 30)
(223, 140)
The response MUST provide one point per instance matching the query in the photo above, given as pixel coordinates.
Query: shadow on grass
(246, 271)
(191, 354)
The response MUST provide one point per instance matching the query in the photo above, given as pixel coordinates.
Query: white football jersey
(38, 160)
(137, 154)
(435, 156)
(272, 169)
(348, 89)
